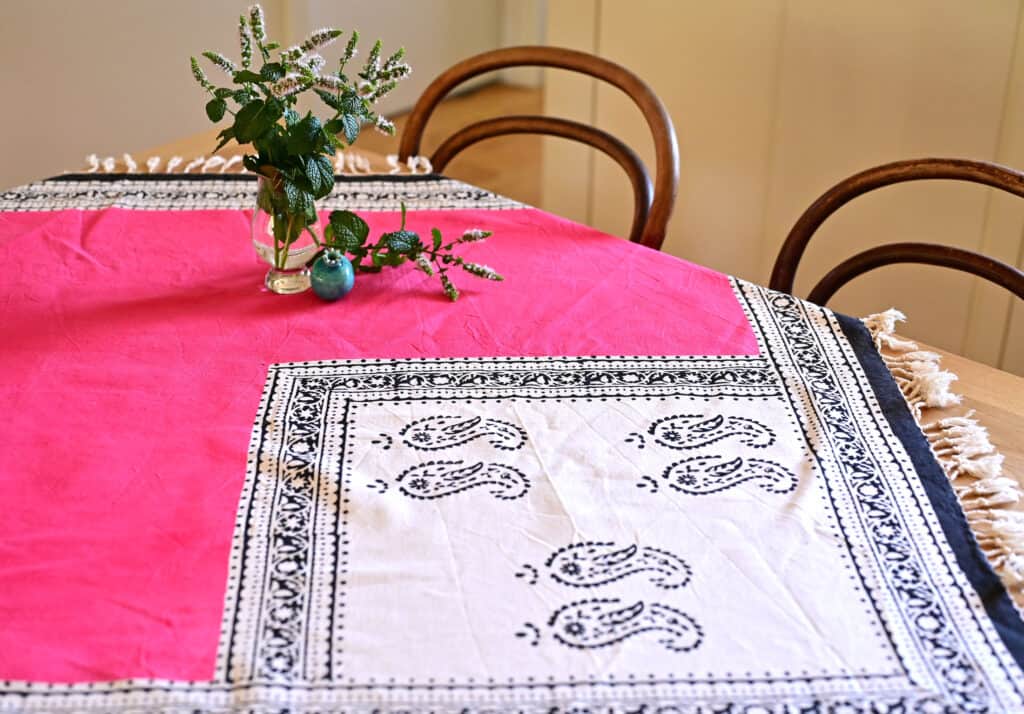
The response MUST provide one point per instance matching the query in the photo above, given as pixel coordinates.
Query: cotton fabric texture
(616, 481)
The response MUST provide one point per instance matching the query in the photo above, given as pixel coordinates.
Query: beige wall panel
(714, 65)
(775, 101)
(567, 187)
(993, 307)
(104, 76)
(866, 83)
(435, 33)
(523, 22)
(109, 76)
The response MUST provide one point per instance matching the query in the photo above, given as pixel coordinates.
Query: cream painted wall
(435, 33)
(109, 76)
(523, 22)
(775, 100)
(103, 76)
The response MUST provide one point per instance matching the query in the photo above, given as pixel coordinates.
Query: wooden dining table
(529, 499)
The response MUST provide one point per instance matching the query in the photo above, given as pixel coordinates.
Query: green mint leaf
(437, 237)
(350, 124)
(329, 99)
(246, 77)
(304, 137)
(225, 136)
(402, 241)
(215, 109)
(350, 231)
(320, 175)
(255, 118)
(300, 202)
(271, 72)
(348, 103)
(223, 92)
(394, 259)
(352, 103)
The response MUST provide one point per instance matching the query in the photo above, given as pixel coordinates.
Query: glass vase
(288, 273)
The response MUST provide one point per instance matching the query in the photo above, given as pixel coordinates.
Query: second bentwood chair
(653, 203)
(983, 172)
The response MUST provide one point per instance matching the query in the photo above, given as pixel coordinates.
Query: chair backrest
(653, 205)
(983, 172)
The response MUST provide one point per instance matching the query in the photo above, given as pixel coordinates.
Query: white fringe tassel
(230, 164)
(345, 162)
(413, 163)
(962, 447)
(194, 163)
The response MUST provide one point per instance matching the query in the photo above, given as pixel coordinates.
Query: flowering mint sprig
(348, 233)
(221, 62)
(245, 42)
(294, 153)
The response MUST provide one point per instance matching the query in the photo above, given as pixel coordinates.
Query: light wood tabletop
(997, 397)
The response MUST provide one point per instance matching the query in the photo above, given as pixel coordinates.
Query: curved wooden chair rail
(983, 172)
(653, 208)
(945, 256)
(622, 154)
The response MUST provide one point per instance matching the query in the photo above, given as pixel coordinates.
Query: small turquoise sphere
(332, 276)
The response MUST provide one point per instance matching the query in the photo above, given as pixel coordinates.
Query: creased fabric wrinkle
(463, 594)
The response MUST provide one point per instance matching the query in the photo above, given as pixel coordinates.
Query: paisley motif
(589, 624)
(434, 433)
(701, 475)
(591, 564)
(437, 479)
(690, 431)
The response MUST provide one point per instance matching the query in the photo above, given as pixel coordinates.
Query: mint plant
(294, 154)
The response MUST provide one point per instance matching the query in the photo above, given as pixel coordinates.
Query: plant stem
(280, 246)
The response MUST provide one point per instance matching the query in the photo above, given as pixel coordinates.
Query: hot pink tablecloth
(137, 337)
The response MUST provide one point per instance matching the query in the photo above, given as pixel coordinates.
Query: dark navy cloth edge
(347, 178)
(968, 553)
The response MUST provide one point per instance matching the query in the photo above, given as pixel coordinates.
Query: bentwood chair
(968, 261)
(653, 203)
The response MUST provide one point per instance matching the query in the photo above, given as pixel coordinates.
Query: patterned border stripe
(942, 644)
(209, 191)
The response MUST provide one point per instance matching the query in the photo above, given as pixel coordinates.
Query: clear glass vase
(288, 273)
(286, 282)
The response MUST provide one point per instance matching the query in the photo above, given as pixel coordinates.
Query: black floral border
(906, 575)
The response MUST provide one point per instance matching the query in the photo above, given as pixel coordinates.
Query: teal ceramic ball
(332, 276)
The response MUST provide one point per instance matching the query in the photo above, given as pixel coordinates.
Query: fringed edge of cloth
(962, 446)
(345, 162)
